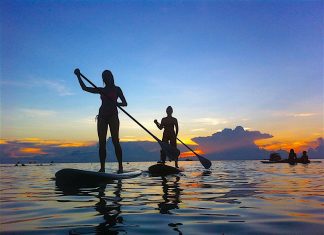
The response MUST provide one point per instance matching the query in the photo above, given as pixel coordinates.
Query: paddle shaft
(130, 116)
(188, 147)
(204, 161)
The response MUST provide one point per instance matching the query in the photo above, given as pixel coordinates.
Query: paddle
(169, 150)
(204, 161)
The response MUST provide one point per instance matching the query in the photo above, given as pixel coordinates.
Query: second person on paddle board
(170, 133)
(108, 115)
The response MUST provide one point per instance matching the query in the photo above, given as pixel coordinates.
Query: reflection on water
(108, 207)
(171, 194)
(235, 197)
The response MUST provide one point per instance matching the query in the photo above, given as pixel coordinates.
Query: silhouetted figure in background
(304, 158)
(170, 133)
(275, 157)
(108, 115)
(292, 158)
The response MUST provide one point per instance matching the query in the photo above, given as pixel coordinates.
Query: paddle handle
(130, 116)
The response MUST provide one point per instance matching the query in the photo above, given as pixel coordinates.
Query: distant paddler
(108, 115)
(292, 157)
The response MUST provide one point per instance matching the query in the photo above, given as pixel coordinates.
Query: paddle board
(76, 176)
(162, 170)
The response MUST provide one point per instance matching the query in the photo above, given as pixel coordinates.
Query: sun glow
(32, 151)
(191, 154)
(286, 144)
(2, 141)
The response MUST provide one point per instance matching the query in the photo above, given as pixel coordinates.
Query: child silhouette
(170, 133)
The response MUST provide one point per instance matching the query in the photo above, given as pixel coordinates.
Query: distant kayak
(162, 170)
(77, 177)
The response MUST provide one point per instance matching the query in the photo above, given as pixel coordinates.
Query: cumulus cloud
(233, 144)
(317, 152)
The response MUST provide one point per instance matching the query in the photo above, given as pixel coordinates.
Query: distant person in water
(108, 115)
(275, 157)
(170, 133)
(292, 158)
(304, 158)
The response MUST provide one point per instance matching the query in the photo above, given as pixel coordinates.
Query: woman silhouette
(108, 115)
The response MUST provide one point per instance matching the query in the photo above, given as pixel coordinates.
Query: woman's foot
(101, 170)
(121, 170)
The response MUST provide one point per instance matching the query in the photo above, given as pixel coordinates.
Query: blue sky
(220, 64)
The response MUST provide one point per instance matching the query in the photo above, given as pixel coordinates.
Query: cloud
(32, 151)
(210, 121)
(37, 112)
(317, 152)
(198, 129)
(233, 144)
(59, 87)
(43, 150)
(303, 114)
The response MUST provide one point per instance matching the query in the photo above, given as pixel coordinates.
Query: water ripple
(236, 197)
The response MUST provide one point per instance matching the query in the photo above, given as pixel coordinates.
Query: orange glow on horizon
(57, 143)
(191, 154)
(3, 141)
(75, 144)
(31, 151)
(286, 144)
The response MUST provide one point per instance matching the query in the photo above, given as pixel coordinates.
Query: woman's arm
(122, 98)
(160, 126)
(83, 86)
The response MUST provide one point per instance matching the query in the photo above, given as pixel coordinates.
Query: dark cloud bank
(225, 145)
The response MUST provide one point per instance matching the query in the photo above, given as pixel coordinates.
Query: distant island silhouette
(239, 145)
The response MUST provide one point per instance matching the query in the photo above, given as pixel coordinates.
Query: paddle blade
(204, 161)
(171, 152)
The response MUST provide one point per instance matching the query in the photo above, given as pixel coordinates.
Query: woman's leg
(102, 126)
(114, 131)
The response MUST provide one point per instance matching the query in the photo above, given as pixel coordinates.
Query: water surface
(233, 197)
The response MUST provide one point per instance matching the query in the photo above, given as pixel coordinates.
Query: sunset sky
(219, 64)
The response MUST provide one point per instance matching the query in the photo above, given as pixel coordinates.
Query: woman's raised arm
(83, 86)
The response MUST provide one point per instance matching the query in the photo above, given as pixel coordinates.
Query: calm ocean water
(234, 197)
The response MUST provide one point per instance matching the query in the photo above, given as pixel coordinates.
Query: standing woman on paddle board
(108, 115)
(170, 133)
